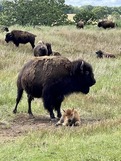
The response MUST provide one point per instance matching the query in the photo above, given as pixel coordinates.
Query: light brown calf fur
(70, 117)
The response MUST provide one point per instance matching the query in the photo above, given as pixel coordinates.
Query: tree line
(51, 12)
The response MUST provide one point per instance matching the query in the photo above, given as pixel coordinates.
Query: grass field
(99, 136)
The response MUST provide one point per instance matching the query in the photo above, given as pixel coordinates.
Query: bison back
(41, 71)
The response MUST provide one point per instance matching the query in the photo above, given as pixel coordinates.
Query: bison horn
(82, 64)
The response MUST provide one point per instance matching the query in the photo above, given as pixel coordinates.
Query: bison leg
(19, 96)
(58, 102)
(17, 44)
(32, 44)
(30, 98)
(48, 102)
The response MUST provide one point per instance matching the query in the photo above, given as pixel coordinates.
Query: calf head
(69, 117)
(99, 54)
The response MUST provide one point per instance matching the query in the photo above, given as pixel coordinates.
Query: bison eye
(87, 72)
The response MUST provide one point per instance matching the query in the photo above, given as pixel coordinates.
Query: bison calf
(101, 54)
(20, 37)
(52, 78)
(70, 117)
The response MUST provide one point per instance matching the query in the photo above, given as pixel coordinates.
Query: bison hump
(45, 69)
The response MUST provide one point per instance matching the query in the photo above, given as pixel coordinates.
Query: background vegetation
(99, 136)
(52, 12)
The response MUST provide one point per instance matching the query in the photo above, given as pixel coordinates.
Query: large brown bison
(102, 54)
(80, 24)
(51, 78)
(20, 37)
(106, 24)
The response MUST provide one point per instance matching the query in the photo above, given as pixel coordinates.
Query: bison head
(99, 54)
(99, 24)
(9, 37)
(83, 73)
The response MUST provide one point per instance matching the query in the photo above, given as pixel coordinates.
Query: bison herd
(101, 24)
(50, 76)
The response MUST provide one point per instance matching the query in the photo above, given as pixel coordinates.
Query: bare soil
(22, 124)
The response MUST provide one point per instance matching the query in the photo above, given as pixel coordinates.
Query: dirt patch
(22, 124)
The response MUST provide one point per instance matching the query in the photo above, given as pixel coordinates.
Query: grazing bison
(80, 24)
(101, 54)
(106, 24)
(44, 49)
(51, 78)
(70, 117)
(20, 37)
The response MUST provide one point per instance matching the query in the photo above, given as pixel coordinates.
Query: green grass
(99, 136)
(65, 144)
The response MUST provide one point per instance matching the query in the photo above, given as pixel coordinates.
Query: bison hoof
(31, 116)
(14, 111)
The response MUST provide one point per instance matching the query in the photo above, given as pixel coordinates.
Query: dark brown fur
(20, 37)
(40, 49)
(52, 78)
(106, 24)
(101, 54)
(44, 49)
(80, 24)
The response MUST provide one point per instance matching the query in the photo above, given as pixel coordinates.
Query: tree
(33, 12)
(83, 15)
(100, 12)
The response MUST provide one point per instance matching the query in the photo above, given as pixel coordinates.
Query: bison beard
(51, 78)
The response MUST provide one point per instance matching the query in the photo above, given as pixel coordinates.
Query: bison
(51, 78)
(20, 37)
(70, 117)
(106, 24)
(101, 54)
(44, 49)
(80, 24)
